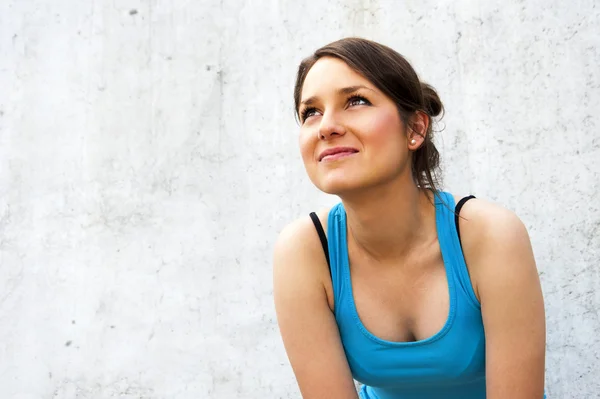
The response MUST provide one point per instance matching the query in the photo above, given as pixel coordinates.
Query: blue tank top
(449, 364)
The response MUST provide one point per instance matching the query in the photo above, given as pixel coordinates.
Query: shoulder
(495, 242)
(298, 256)
(484, 221)
(300, 236)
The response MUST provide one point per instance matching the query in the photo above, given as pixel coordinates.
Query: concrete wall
(148, 159)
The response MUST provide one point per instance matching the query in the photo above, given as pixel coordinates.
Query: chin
(338, 185)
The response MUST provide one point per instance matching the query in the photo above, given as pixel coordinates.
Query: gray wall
(148, 159)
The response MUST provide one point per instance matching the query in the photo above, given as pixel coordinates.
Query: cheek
(307, 146)
(385, 132)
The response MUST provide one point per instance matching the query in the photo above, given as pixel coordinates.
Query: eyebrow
(343, 90)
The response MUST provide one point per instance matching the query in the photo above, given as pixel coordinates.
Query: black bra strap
(322, 235)
(457, 212)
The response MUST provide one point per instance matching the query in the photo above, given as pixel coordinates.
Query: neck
(386, 223)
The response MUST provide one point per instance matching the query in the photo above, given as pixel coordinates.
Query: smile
(336, 153)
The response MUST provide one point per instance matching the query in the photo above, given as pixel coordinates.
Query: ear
(418, 125)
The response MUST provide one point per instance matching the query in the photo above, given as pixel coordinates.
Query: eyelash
(352, 97)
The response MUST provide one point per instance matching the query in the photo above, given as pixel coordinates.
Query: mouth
(335, 153)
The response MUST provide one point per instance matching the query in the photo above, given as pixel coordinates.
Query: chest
(402, 303)
(412, 331)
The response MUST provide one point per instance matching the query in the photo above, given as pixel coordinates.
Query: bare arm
(500, 258)
(307, 324)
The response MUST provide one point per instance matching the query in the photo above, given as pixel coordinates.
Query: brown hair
(391, 73)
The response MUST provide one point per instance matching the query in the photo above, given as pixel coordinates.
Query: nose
(330, 126)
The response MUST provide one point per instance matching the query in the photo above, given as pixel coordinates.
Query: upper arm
(307, 324)
(501, 262)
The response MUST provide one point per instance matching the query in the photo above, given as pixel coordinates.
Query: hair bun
(431, 100)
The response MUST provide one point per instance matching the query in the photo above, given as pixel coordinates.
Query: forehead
(329, 74)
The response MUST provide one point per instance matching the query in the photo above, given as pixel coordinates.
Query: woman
(406, 292)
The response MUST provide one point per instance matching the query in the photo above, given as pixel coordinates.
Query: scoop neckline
(450, 283)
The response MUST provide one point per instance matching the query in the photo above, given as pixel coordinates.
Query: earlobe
(416, 142)
(418, 131)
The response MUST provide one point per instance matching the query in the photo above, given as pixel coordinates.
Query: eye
(307, 113)
(357, 100)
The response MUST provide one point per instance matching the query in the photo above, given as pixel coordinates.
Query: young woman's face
(351, 134)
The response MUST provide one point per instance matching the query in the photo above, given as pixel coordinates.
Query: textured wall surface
(148, 159)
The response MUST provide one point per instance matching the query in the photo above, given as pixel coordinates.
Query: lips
(332, 154)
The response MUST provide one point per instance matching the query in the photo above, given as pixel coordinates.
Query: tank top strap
(450, 244)
(338, 255)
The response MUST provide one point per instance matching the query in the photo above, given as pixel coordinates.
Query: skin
(397, 272)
